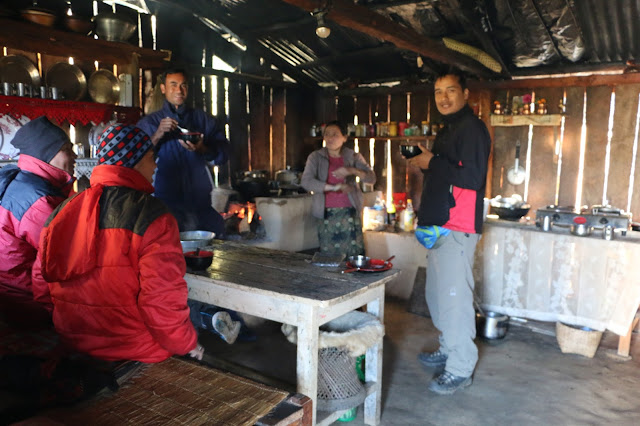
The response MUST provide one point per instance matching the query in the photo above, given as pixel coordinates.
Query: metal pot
(580, 229)
(288, 177)
(491, 325)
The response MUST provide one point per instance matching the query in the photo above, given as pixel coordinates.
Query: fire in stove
(242, 221)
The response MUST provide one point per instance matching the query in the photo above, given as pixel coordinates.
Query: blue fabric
(19, 190)
(183, 180)
(428, 235)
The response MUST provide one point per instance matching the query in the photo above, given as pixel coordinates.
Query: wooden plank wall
(540, 159)
(544, 155)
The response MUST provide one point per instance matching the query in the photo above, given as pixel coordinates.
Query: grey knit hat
(40, 138)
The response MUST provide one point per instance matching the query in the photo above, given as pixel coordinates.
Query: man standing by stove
(183, 179)
(450, 222)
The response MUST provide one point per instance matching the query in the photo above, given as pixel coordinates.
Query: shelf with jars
(526, 119)
(379, 138)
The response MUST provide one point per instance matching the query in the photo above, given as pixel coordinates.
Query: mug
(53, 92)
(7, 89)
(20, 89)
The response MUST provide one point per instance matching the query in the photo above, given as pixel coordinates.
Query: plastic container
(408, 217)
(349, 416)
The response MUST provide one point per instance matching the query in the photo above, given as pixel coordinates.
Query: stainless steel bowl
(113, 27)
(192, 240)
(359, 261)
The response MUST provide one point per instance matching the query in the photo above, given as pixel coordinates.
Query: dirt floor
(522, 380)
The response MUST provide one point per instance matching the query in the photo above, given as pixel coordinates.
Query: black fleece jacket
(461, 152)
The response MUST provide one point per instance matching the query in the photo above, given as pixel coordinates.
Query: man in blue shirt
(183, 178)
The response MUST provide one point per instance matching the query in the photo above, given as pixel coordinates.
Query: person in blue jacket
(183, 178)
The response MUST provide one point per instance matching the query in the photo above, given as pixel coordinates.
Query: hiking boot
(447, 383)
(225, 327)
(433, 359)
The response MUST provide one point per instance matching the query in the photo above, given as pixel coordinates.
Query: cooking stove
(604, 218)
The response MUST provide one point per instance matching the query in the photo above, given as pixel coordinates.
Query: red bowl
(198, 261)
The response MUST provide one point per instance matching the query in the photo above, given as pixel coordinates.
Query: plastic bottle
(391, 214)
(408, 217)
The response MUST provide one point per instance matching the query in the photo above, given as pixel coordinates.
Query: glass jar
(393, 129)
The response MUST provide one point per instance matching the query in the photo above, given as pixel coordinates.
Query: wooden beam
(49, 41)
(360, 18)
(585, 81)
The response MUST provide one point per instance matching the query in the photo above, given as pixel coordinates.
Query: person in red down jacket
(29, 192)
(113, 261)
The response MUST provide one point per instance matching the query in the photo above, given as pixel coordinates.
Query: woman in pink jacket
(29, 192)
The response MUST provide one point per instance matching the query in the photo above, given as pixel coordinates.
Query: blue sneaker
(447, 383)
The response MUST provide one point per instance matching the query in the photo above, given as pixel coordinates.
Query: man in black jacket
(451, 207)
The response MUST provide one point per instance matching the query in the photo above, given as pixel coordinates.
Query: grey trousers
(449, 294)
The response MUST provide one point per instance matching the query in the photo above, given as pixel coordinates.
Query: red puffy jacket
(115, 268)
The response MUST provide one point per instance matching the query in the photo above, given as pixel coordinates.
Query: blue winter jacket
(183, 180)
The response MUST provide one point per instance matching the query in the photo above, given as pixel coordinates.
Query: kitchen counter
(530, 225)
(523, 271)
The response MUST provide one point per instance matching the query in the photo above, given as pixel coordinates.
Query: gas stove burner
(606, 210)
(560, 209)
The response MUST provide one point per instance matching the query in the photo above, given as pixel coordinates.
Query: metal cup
(546, 223)
(7, 89)
(53, 92)
(20, 89)
(43, 92)
(608, 233)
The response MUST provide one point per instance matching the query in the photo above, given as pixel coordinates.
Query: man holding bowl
(183, 179)
(449, 223)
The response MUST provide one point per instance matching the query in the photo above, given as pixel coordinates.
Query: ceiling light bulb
(323, 32)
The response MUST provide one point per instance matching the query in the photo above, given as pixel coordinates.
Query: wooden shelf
(378, 138)
(49, 41)
(526, 120)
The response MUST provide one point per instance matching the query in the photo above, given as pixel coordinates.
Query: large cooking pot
(253, 183)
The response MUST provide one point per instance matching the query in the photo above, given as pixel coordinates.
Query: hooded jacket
(115, 268)
(183, 180)
(29, 193)
(454, 185)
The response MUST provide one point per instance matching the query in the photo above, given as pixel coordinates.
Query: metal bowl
(78, 24)
(113, 27)
(39, 16)
(192, 240)
(359, 261)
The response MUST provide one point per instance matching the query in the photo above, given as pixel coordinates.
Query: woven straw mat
(177, 392)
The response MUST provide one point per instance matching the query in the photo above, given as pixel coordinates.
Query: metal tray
(18, 69)
(69, 79)
(104, 87)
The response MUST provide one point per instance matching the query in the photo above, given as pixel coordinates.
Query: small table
(285, 287)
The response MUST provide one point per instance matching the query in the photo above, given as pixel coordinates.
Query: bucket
(491, 325)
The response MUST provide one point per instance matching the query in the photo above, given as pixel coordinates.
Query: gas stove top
(605, 218)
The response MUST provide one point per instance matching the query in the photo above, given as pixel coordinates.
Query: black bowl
(192, 137)
(410, 151)
(511, 213)
(198, 261)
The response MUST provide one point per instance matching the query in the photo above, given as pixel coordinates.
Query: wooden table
(285, 287)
